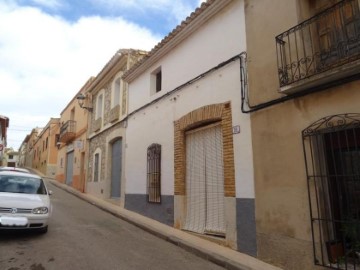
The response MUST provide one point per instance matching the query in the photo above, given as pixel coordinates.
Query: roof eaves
(82, 89)
(111, 63)
(176, 32)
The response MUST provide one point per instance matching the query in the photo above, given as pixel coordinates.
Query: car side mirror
(50, 192)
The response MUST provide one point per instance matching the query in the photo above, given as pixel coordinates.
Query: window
(116, 98)
(11, 156)
(72, 114)
(57, 136)
(116, 92)
(156, 81)
(154, 173)
(332, 158)
(99, 106)
(96, 168)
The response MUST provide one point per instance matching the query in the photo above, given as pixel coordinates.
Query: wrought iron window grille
(332, 159)
(154, 173)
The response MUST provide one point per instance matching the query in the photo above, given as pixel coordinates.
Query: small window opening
(158, 81)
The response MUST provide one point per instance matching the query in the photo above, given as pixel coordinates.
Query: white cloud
(54, 4)
(45, 60)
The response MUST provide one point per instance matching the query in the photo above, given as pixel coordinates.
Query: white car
(14, 169)
(24, 201)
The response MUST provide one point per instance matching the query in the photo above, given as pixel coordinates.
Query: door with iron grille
(205, 181)
(332, 157)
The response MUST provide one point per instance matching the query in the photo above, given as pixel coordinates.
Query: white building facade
(188, 146)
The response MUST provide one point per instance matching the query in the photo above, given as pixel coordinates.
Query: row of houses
(242, 124)
(4, 124)
(8, 156)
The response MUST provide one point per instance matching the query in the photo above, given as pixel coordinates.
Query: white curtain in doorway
(205, 181)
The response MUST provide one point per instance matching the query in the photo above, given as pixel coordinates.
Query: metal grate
(154, 173)
(68, 127)
(17, 210)
(332, 158)
(328, 40)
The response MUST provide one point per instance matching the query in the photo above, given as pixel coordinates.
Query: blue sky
(50, 48)
(160, 16)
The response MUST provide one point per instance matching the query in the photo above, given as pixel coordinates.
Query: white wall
(217, 41)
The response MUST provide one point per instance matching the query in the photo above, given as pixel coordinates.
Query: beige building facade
(72, 143)
(4, 124)
(108, 97)
(30, 150)
(304, 100)
(45, 150)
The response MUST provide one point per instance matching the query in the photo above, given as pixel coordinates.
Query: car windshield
(21, 184)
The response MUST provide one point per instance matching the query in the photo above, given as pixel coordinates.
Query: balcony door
(338, 32)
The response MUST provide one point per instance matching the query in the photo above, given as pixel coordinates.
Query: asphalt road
(81, 236)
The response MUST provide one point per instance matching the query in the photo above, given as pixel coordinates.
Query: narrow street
(81, 236)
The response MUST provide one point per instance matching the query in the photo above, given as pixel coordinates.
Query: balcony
(97, 124)
(68, 131)
(114, 114)
(320, 50)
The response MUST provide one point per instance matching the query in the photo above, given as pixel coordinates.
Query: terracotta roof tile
(172, 34)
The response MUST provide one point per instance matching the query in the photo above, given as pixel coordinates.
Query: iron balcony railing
(325, 41)
(67, 130)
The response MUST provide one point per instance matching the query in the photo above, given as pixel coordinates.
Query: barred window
(332, 159)
(154, 173)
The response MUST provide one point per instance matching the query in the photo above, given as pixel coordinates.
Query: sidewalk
(220, 255)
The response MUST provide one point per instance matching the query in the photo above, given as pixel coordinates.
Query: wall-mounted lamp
(81, 99)
(59, 144)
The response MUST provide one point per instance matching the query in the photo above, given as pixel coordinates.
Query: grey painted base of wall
(163, 212)
(246, 226)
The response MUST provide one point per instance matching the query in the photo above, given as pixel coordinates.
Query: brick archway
(207, 114)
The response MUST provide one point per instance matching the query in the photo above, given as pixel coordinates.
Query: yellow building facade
(72, 143)
(44, 154)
